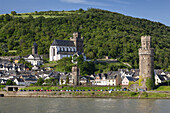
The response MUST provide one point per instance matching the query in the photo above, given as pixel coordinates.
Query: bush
(149, 83)
(145, 94)
(133, 94)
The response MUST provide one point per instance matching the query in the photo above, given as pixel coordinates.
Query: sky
(154, 10)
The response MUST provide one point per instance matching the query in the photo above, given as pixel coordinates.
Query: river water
(83, 105)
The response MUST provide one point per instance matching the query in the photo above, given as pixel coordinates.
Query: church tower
(75, 75)
(78, 41)
(35, 48)
(146, 63)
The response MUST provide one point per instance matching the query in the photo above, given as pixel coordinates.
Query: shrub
(149, 83)
(133, 94)
(145, 94)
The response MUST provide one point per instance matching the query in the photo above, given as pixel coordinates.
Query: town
(28, 71)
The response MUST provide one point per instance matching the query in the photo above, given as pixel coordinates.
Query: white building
(66, 48)
(35, 59)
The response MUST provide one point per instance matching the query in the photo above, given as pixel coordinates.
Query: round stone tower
(146, 63)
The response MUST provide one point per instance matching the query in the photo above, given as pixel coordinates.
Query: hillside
(104, 32)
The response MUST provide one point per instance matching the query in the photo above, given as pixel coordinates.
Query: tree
(9, 82)
(13, 12)
(40, 81)
(65, 64)
(62, 81)
(67, 80)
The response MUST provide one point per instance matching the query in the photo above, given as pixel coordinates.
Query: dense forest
(105, 34)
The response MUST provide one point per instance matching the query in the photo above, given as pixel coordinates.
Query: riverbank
(90, 94)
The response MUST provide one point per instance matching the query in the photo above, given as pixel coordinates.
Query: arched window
(71, 49)
(68, 49)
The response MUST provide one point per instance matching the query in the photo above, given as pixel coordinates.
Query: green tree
(67, 80)
(40, 81)
(13, 12)
(9, 82)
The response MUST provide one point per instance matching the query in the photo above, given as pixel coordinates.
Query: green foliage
(13, 12)
(28, 64)
(140, 80)
(51, 81)
(67, 80)
(105, 34)
(40, 81)
(133, 94)
(105, 67)
(131, 82)
(2, 86)
(144, 94)
(64, 64)
(149, 83)
(10, 82)
(163, 88)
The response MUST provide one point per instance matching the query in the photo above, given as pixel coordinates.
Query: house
(63, 79)
(101, 79)
(28, 79)
(35, 60)
(19, 81)
(3, 81)
(127, 79)
(114, 78)
(86, 80)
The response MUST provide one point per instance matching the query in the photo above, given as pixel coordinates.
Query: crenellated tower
(146, 63)
(78, 41)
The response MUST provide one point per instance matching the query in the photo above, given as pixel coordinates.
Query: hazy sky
(155, 10)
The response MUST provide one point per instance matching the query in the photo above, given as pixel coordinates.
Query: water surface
(83, 105)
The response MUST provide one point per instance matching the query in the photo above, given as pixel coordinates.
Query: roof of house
(161, 77)
(130, 78)
(20, 80)
(63, 43)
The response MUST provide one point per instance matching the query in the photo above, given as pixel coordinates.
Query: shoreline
(114, 95)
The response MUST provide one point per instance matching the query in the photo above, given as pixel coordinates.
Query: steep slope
(104, 32)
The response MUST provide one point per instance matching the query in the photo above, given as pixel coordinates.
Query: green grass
(163, 88)
(90, 88)
(36, 16)
(69, 88)
(12, 51)
(1, 87)
(40, 88)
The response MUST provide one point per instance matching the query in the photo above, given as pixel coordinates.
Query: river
(83, 105)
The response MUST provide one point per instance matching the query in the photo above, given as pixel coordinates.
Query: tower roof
(63, 43)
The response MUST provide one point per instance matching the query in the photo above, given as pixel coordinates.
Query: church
(34, 58)
(66, 48)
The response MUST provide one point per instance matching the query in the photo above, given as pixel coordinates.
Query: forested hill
(105, 33)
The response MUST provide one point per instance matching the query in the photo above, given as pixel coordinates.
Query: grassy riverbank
(70, 88)
(89, 94)
(163, 88)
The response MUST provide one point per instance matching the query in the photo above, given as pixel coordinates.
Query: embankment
(88, 94)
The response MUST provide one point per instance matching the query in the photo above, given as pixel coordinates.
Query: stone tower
(75, 75)
(78, 41)
(35, 48)
(146, 62)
